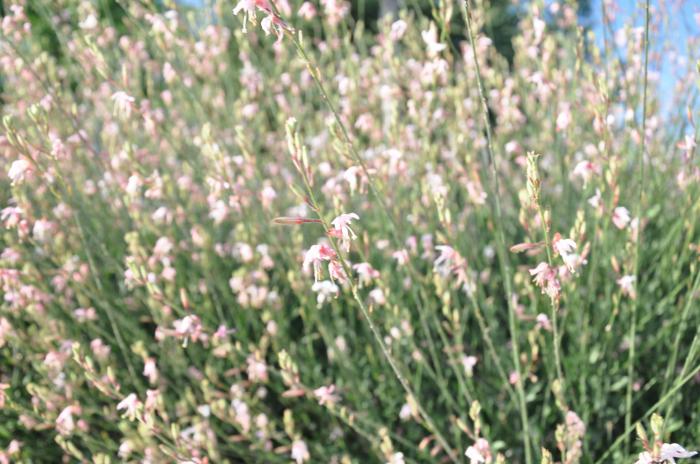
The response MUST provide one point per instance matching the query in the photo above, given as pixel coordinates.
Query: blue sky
(679, 24)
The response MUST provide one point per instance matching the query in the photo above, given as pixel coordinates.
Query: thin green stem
(638, 239)
(628, 429)
(430, 423)
(554, 301)
(501, 246)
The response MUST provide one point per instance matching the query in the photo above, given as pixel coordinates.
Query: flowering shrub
(258, 232)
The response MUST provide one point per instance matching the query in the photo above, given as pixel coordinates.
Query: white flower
(326, 290)
(398, 29)
(565, 248)
(300, 453)
(326, 395)
(430, 37)
(88, 23)
(341, 229)
(670, 451)
(406, 412)
(130, 405)
(479, 452)
(626, 284)
(18, 170)
(123, 104)
(64, 422)
(594, 201)
(396, 458)
(474, 456)
(469, 362)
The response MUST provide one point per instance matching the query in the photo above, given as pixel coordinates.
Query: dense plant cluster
(256, 232)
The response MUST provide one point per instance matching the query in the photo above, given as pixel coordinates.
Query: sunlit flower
(123, 104)
(479, 452)
(19, 170)
(430, 37)
(398, 29)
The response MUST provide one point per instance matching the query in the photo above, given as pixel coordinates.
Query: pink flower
(150, 370)
(621, 217)
(564, 118)
(326, 395)
(189, 327)
(366, 272)
(401, 257)
(543, 322)
(336, 271)
(64, 422)
(5, 330)
(249, 8)
(687, 145)
(341, 228)
(307, 10)
(19, 170)
(163, 247)
(300, 452)
(545, 277)
(444, 263)
(513, 378)
(3, 396)
(376, 296)
(585, 170)
(257, 369)
(575, 424)
(480, 451)
(316, 255)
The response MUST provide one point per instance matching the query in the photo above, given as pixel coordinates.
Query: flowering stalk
(501, 244)
(430, 423)
(533, 187)
(315, 74)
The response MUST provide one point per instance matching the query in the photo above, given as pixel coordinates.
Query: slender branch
(638, 239)
(501, 246)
